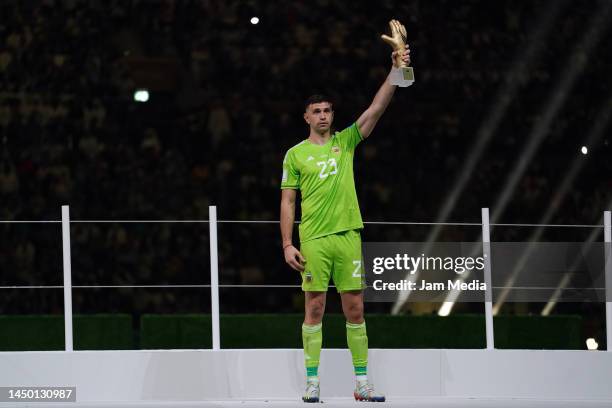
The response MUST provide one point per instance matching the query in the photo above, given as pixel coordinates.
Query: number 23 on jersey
(328, 168)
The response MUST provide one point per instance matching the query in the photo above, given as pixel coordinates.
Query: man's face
(319, 116)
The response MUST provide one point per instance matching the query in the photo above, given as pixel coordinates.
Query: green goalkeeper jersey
(324, 176)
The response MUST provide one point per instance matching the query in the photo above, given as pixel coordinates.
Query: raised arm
(369, 118)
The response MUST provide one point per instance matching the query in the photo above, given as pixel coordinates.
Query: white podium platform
(419, 378)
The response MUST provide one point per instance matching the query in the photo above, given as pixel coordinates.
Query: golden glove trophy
(401, 74)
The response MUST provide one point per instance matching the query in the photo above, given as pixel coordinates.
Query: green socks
(312, 337)
(357, 339)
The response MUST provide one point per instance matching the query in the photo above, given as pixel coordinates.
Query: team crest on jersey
(336, 149)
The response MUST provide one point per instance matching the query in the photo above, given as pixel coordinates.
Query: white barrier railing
(608, 260)
(67, 277)
(214, 268)
(486, 251)
(214, 278)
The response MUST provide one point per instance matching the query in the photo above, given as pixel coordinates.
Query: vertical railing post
(67, 278)
(608, 280)
(486, 251)
(214, 277)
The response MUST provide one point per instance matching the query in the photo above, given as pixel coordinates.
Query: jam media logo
(423, 285)
(424, 272)
(515, 272)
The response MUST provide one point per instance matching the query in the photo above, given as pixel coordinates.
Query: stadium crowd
(220, 119)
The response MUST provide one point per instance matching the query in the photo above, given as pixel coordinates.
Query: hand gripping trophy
(402, 75)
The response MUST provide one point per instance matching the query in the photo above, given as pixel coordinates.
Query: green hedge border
(194, 331)
(46, 332)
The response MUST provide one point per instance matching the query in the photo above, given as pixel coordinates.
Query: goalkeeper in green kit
(321, 167)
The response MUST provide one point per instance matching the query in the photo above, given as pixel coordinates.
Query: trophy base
(402, 77)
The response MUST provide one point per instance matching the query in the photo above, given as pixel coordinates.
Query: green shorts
(336, 256)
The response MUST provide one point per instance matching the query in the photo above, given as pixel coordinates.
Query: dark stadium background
(226, 102)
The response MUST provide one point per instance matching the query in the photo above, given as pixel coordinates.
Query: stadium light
(445, 309)
(141, 95)
(254, 20)
(584, 150)
(592, 344)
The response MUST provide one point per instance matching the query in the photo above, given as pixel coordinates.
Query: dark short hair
(317, 98)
